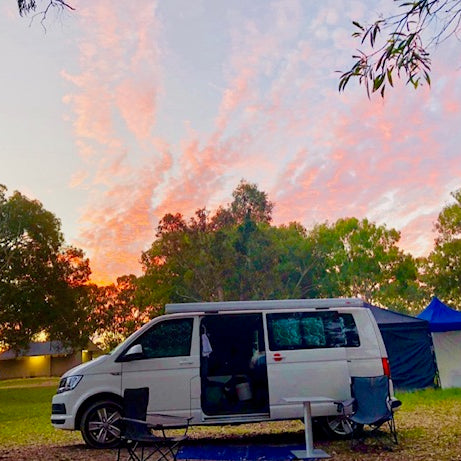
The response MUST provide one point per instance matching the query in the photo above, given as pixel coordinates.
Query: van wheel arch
(95, 398)
(110, 404)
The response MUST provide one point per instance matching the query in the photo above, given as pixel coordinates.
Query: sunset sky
(123, 111)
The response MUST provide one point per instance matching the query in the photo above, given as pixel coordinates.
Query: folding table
(310, 452)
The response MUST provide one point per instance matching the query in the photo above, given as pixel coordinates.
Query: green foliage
(41, 280)
(250, 204)
(234, 255)
(237, 258)
(362, 259)
(442, 271)
(397, 45)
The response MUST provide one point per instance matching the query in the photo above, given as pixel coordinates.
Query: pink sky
(136, 112)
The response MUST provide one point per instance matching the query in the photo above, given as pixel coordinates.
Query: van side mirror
(133, 353)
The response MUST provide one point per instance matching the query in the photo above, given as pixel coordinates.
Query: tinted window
(311, 330)
(171, 338)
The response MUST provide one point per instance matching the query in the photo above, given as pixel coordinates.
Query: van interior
(233, 365)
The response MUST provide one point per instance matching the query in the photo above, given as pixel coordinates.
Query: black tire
(339, 427)
(100, 424)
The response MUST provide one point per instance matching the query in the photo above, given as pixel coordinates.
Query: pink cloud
(136, 102)
(280, 122)
(118, 220)
(378, 147)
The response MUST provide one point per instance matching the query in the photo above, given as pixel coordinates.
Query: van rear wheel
(100, 425)
(339, 427)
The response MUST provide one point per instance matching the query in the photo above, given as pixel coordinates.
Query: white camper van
(227, 362)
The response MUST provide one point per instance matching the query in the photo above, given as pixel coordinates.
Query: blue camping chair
(371, 405)
(138, 430)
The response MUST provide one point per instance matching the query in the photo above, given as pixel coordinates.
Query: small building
(43, 359)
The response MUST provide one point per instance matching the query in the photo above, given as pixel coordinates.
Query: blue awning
(441, 317)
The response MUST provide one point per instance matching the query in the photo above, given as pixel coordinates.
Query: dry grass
(428, 425)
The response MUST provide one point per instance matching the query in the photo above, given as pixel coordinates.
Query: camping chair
(138, 429)
(370, 405)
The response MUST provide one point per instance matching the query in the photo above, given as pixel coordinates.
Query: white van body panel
(324, 374)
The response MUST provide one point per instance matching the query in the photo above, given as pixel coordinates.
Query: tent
(445, 325)
(409, 347)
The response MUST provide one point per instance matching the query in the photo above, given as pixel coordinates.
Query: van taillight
(386, 367)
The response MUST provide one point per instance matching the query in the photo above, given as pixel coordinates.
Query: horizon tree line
(235, 253)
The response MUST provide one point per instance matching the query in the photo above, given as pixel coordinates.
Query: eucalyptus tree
(362, 259)
(42, 7)
(399, 45)
(41, 280)
(234, 254)
(442, 271)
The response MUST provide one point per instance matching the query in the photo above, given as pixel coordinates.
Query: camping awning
(441, 317)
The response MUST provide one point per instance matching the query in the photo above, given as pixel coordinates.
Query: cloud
(388, 161)
(278, 121)
(113, 102)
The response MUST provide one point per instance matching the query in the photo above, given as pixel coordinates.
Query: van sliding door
(306, 358)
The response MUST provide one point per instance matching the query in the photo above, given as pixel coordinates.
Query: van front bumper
(59, 417)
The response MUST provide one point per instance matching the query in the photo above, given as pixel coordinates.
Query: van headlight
(69, 383)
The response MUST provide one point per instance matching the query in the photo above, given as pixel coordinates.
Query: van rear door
(306, 358)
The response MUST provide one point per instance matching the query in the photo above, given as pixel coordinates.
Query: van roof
(224, 306)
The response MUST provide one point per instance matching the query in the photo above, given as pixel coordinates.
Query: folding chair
(137, 429)
(370, 405)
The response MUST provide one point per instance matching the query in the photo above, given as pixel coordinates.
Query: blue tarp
(441, 317)
(409, 348)
(229, 452)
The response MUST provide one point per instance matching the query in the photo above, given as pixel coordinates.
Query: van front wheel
(100, 425)
(339, 427)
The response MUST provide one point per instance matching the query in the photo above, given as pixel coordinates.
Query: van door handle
(278, 357)
(186, 362)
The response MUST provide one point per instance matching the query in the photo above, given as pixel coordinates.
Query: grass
(30, 382)
(25, 410)
(428, 425)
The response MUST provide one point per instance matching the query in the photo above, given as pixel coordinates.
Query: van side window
(171, 338)
(311, 330)
(350, 328)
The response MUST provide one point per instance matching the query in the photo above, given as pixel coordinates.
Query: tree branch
(397, 46)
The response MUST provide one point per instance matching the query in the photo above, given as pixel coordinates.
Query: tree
(27, 7)
(41, 281)
(187, 260)
(116, 313)
(362, 259)
(442, 271)
(250, 203)
(299, 264)
(233, 255)
(399, 44)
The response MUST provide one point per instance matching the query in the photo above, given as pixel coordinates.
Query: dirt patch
(56, 453)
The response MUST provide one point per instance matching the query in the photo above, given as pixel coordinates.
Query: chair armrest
(168, 421)
(138, 421)
(341, 405)
(163, 423)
